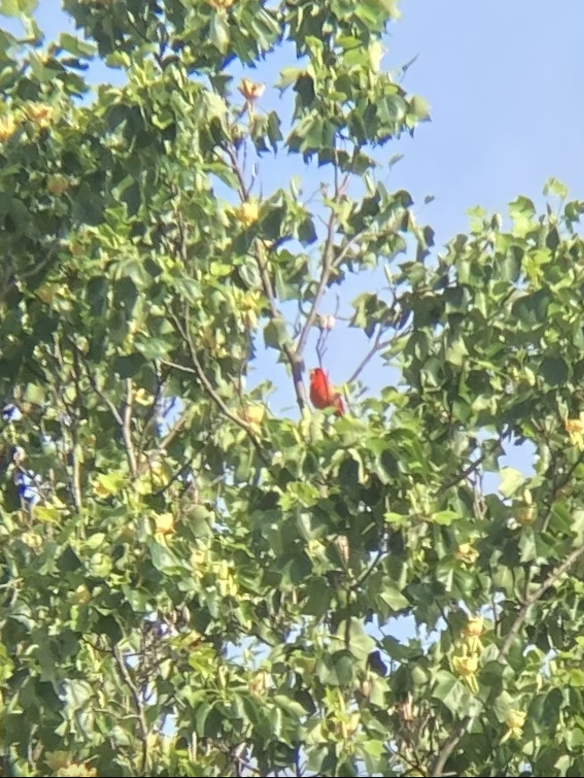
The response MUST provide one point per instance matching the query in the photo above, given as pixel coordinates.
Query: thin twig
(292, 355)
(329, 262)
(95, 387)
(378, 345)
(13, 278)
(557, 485)
(198, 371)
(325, 273)
(125, 421)
(243, 190)
(76, 479)
(139, 706)
(127, 429)
(372, 566)
(181, 471)
(472, 468)
(535, 596)
(176, 428)
(151, 415)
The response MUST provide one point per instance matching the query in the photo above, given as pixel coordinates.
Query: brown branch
(73, 441)
(329, 263)
(243, 190)
(292, 355)
(328, 260)
(472, 468)
(461, 728)
(198, 371)
(370, 569)
(127, 430)
(76, 480)
(151, 416)
(378, 345)
(181, 471)
(325, 274)
(237, 754)
(23, 275)
(139, 707)
(183, 244)
(175, 429)
(557, 485)
(535, 597)
(95, 387)
(125, 421)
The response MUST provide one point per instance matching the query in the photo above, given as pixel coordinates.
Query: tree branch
(139, 707)
(76, 479)
(127, 430)
(370, 568)
(325, 273)
(535, 597)
(95, 387)
(461, 728)
(378, 345)
(472, 468)
(243, 190)
(124, 421)
(292, 355)
(197, 370)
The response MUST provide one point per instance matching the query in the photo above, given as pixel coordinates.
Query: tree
(192, 584)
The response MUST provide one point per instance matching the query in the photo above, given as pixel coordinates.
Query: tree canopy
(192, 583)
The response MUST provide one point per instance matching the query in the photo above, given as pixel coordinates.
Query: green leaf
(511, 480)
(34, 394)
(77, 47)
(554, 371)
(97, 296)
(307, 232)
(219, 32)
(100, 566)
(46, 513)
(420, 108)
(555, 188)
(456, 352)
(152, 348)
(77, 694)
(275, 334)
(445, 518)
(289, 705)
(288, 76)
(452, 693)
(352, 634)
(128, 366)
(18, 7)
(162, 558)
(394, 598)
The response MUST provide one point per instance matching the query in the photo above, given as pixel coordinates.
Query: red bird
(323, 394)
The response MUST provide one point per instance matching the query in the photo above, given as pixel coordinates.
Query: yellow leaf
(48, 513)
(164, 523)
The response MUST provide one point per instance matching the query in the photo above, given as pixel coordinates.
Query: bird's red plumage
(322, 394)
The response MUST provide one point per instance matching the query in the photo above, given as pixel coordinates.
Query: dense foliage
(192, 584)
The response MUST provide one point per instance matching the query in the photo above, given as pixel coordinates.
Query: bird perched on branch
(322, 393)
